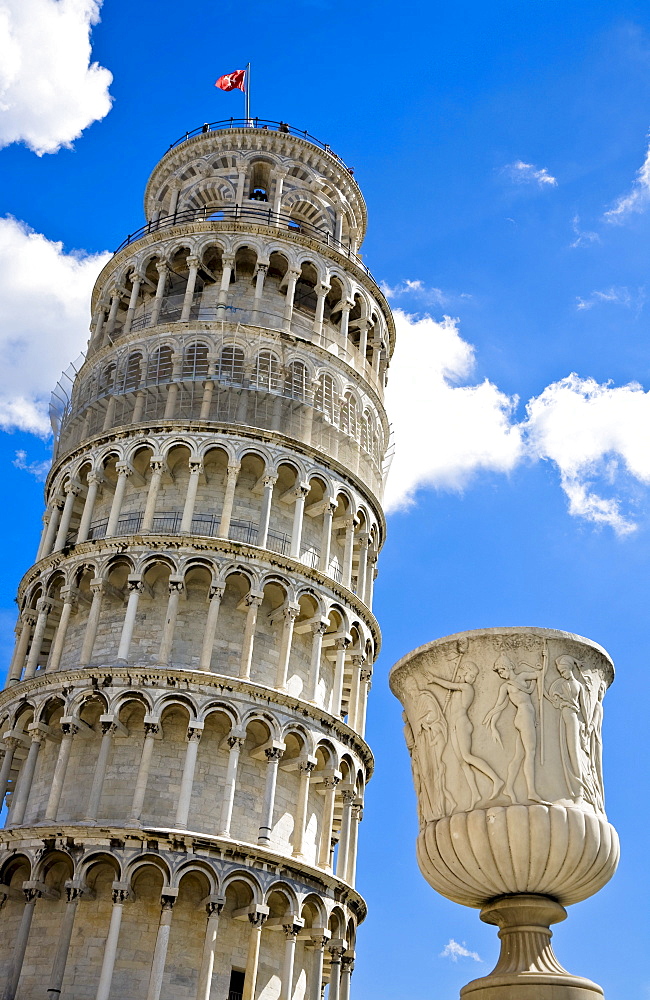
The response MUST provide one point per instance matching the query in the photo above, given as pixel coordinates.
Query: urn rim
(548, 633)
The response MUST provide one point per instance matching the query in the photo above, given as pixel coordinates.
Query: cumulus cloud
(49, 89)
(41, 332)
(444, 431)
(454, 951)
(528, 173)
(597, 435)
(638, 197)
(447, 429)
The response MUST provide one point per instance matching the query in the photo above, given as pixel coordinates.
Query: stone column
(11, 743)
(345, 323)
(173, 201)
(136, 587)
(52, 527)
(94, 482)
(265, 513)
(227, 263)
(326, 537)
(348, 551)
(292, 277)
(329, 784)
(68, 730)
(336, 952)
(120, 896)
(136, 280)
(235, 743)
(185, 795)
(214, 908)
(28, 620)
(157, 466)
(348, 795)
(305, 768)
(43, 608)
(370, 578)
(277, 193)
(363, 338)
(69, 597)
(71, 491)
(260, 274)
(151, 730)
(116, 298)
(228, 500)
(321, 292)
(32, 893)
(364, 540)
(319, 940)
(109, 728)
(109, 416)
(318, 631)
(172, 387)
(300, 493)
(291, 931)
(273, 755)
(73, 894)
(241, 180)
(123, 472)
(193, 264)
(289, 615)
(97, 588)
(341, 645)
(138, 409)
(167, 900)
(167, 640)
(163, 272)
(253, 601)
(364, 688)
(353, 706)
(252, 959)
(355, 819)
(347, 968)
(46, 524)
(216, 595)
(196, 471)
(25, 778)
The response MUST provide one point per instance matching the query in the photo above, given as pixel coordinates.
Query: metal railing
(245, 213)
(265, 125)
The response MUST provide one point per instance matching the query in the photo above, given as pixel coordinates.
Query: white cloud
(618, 295)
(528, 173)
(49, 90)
(454, 951)
(597, 435)
(444, 432)
(583, 237)
(638, 197)
(45, 295)
(37, 469)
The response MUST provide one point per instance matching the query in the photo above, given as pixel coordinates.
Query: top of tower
(204, 155)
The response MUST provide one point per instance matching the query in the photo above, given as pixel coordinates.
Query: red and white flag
(232, 81)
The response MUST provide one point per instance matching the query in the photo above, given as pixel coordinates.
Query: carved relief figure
(595, 734)
(580, 709)
(519, 683)
(461, 697)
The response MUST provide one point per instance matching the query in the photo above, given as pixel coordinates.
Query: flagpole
(247, 92)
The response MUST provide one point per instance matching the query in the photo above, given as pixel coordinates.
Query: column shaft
(216, 594)
(248, 639)
(167, 640)
(20, 947)
(328, 818)
(118, 499)
(43, 607)
(190, 498)
(140, 790)
(326, 537)
(286, 984)
(152, 495)
(273, 757)
(185, 795)
(189, 291)
(60, 769)
(25, 778)
(265, 513)
(235, 743)
(228, 500)
(209, 951)
(63, 945)
(302, 805)
(97, 787)
(62, 628)
(97, 587)
(110, 948)
(135, 589)
(298, 512)
(289, 617)
(252, 959)
(21, 647)
(314, 669)
(160, 950)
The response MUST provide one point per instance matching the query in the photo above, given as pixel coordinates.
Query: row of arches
(216, 486)
(143, 609)
(167, 928)
(250, 282)
(223, 768)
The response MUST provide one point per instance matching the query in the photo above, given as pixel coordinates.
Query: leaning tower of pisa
(183, 724)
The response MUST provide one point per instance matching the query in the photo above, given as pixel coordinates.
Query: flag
(232, 81)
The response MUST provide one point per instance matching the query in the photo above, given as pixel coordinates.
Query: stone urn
(504, 729)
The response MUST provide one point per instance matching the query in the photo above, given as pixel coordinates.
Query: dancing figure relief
(520, 682)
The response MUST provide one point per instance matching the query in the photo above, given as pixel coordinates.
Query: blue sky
(501, 151)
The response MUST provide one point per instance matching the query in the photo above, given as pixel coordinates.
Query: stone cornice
(94, 837)
(173, 678)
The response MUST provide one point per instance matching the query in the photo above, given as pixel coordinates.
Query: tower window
(236, 988)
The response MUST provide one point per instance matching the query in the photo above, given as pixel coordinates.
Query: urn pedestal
(504, 728)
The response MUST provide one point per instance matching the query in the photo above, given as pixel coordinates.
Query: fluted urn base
(527, 968)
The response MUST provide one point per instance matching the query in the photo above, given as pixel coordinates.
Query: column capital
(347, 964)
(227, 259)
(151, 728)
(307, 766)
(258, 915)
(156, 463)
(136, 275)
(29, 616)
(194, 734)
(274, 753)
(319, 937)
(342, 642)
(176, 584)
(331, 781)
(254, 598)
(33, 891)
(109, 727)
(216, 590)
(300, 491)
(196, 466)
(235, 742)
(162, 266)
(336, 950)
(123, 469)
(291, 612)
(193, 261)
(293, 927)
(167, 898)
(320, 627)
(322, 288)
(95, 477)
(215, 904)
(97, 586)
(44, 605)
(74, 488)
(69, 728)
(292, 274)
(73, 893)
(348, 795)
(233, 470)
(262, 267)
(269, 481)
(120, 893)
(366, 675)
(69, 595)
